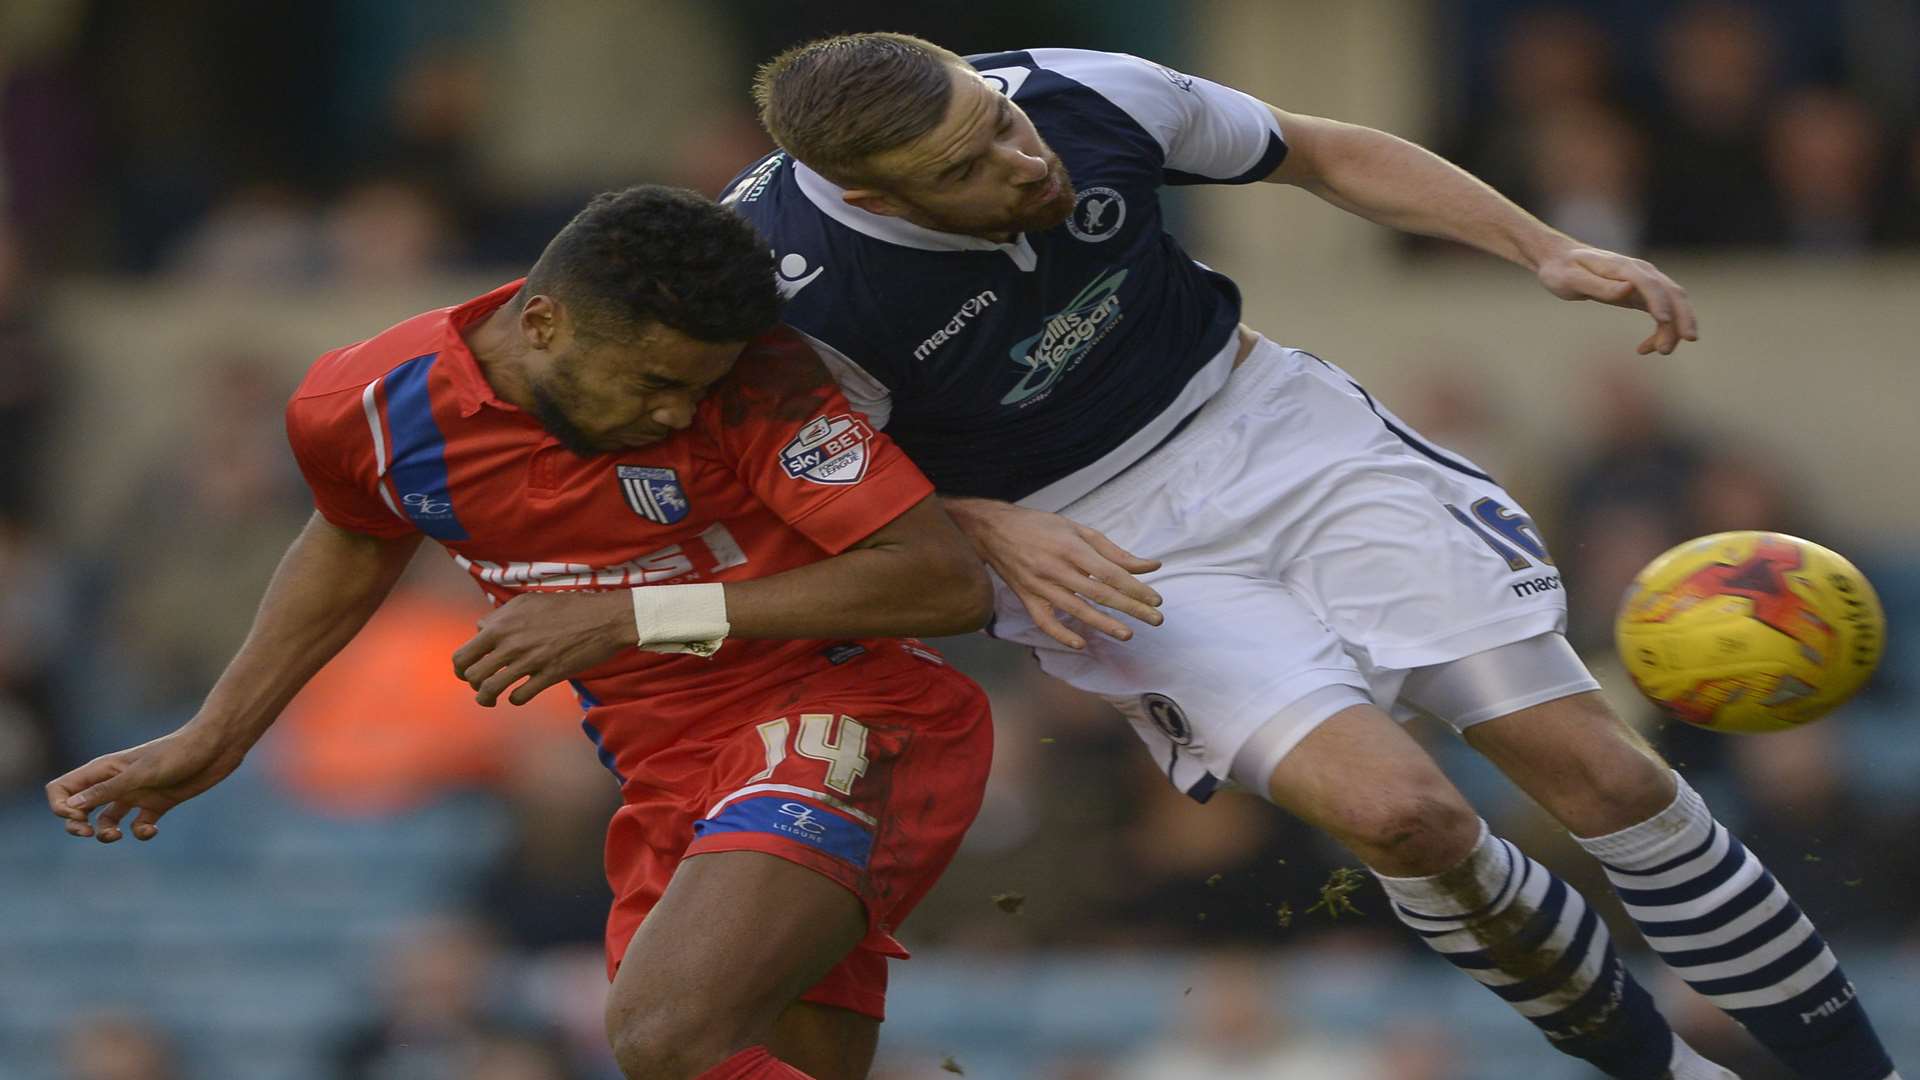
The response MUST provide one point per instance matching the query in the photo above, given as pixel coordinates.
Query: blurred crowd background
(202, 195)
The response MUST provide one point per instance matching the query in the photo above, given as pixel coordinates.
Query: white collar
(829, 197)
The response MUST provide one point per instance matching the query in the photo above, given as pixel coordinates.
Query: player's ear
(540, 320)
(873, 202)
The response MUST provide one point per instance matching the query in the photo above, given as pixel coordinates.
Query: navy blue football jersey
(1035, 370)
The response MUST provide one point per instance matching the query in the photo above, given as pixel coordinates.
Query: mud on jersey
(1034, 370)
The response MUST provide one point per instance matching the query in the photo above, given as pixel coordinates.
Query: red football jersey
(401, 433)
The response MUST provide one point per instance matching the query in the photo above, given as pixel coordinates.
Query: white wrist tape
(681, 618)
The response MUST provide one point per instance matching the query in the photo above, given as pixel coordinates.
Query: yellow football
(1750, 631)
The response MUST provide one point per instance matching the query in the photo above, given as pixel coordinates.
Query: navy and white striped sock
(1524, 934)
(1709, 908)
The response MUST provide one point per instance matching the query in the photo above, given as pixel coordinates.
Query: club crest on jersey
(1098, 213)
(829, 450)
(654, 494)
(1167, 715)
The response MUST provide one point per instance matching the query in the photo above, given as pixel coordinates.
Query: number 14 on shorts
(838, 741)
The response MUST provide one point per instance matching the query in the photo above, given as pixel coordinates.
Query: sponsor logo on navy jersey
(654, 494)
(752, 185)
(1097, 214)
(793, 274)
(974, 306)
(1065, 339)
(829, 450)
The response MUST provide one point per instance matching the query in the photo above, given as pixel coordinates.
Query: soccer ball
(1750, 631)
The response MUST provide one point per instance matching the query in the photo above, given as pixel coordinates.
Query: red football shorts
(868, 773)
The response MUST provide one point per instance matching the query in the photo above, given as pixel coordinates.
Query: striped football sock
(1524, 934)
(1709, 908)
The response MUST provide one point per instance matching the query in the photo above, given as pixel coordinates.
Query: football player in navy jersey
(975, 247)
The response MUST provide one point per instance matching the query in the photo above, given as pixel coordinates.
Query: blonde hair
(836, 102)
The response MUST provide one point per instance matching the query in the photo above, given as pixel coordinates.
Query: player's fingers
(477, 646)
(533, 687)
(1072, 605)
(1041, 612)
(146, 824)
(107, 790)
(497, 683)
(67, 794)
(1110, 596)
(1119, 556)
(1578, 281)
(1115, 576)
(479, 671)
(1689, 322)
(107, 825)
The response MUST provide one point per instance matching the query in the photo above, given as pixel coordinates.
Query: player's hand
(543, 638)
(1584, 273)
(153, 777)
(1057, 565)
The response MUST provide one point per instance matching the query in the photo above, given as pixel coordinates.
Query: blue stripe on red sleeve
(419, 469)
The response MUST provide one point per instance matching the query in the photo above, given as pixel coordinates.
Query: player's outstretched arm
(915, 576)
(1393, 182)
(326, 587)
(1057, 565)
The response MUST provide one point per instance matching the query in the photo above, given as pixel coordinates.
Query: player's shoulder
(778, 378)
(352, 367)
(1120, 77)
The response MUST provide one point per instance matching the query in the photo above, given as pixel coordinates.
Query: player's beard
(1025, 218)
(547, 409)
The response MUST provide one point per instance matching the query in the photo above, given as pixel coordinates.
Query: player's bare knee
(1414, 831)
(1623, 791)
(658, 1040)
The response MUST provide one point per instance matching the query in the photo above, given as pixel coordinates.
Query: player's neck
(498, 350)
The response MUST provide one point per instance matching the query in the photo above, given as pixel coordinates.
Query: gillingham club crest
(654, 493)
(829, 450)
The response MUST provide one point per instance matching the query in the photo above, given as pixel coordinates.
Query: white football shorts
(1312, 546)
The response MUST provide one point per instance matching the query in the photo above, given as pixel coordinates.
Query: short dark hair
(653, 254)
(835, 102)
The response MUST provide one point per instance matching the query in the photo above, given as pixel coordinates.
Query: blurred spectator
(217, 510)
(260, 235)
(387, 726)
(120, 1047)
(1625, 501)
(1716, 67)
(1550, 61)
(384, 231)
(1230, 1030)
(550, 888)
(1906, 192)
(1587, 175)
(30, 378)
(509, 1056)
(1823, 157)
(36, 601)
(439, 1015)
(1840, 854)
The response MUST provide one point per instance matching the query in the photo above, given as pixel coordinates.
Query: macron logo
(973, 306)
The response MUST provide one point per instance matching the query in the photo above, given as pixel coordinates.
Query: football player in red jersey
(624, 445)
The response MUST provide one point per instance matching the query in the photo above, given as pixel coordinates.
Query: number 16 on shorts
(838, 741)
